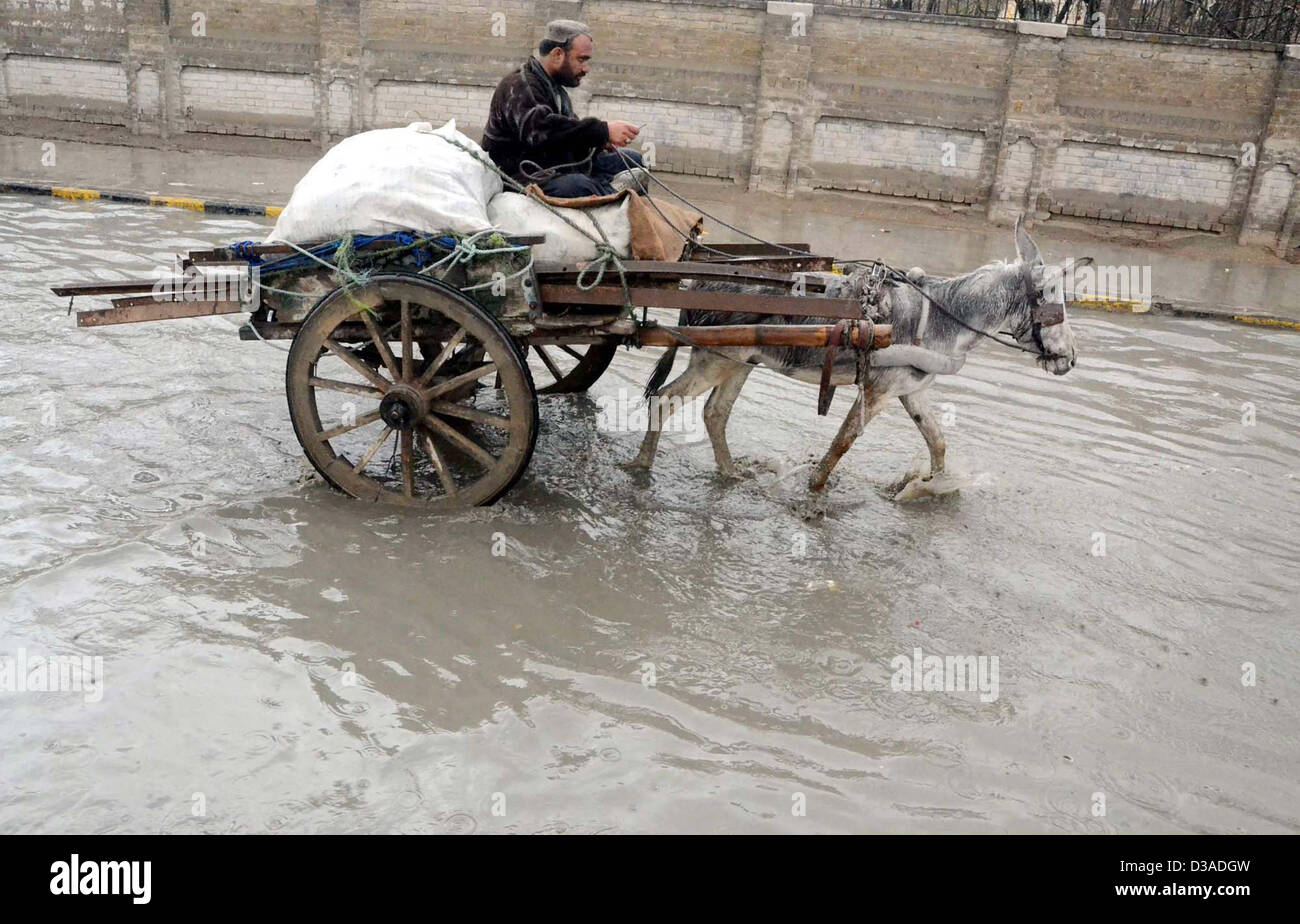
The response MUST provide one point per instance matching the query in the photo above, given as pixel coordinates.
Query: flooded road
(661, 654)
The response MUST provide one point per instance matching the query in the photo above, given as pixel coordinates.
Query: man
(533, 135)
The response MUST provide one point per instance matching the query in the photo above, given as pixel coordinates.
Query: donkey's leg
(700, 375)
(917, 405)
(717, 410)
(849, 431)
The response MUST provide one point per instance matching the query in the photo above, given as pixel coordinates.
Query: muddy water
(279, 658)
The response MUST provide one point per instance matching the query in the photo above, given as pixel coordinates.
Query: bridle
(1041, 314)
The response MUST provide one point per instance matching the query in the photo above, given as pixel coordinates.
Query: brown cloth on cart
(653, 237)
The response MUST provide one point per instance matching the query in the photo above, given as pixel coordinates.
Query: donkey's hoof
(733, 471)
(937, 485)
(637, 465)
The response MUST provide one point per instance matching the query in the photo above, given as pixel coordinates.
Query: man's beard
(566, 77)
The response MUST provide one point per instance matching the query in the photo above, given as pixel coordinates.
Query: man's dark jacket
(531, 118)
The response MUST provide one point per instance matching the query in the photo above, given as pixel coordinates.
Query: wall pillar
(338, 77)
(1031, 127)
(784, 118)
(146, 63)
(1273, 208)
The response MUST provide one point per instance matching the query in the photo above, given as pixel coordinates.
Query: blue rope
(423, 256)
(244, 250)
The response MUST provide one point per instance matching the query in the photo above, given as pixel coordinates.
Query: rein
(1040, 315)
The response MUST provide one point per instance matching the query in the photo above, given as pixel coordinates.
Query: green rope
(343, 258)
(604, 249)
(514, 275)
(347, 257)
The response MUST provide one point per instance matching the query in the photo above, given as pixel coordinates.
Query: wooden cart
(418, 391)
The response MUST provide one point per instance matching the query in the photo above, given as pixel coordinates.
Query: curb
(1169, 309)
(1120, 306)
(77, 193)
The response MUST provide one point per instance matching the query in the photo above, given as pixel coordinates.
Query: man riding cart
(533, 135)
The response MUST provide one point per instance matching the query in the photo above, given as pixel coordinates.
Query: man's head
(565, 51)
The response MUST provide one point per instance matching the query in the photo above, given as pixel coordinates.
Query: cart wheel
(404, 391)
(563, 368)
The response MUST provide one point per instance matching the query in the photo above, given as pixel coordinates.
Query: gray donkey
(1026, 296)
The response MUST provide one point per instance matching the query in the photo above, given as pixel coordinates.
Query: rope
(258, 334)
(514, 275)
(604, 249)
(753, 237)
(645, 191)
(329, 266)
(542, 174)
(894, 275)
(898, 276)
(467, 250)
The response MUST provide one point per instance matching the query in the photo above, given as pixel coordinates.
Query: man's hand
(620, 133)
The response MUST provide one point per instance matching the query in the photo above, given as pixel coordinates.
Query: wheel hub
(402, 407)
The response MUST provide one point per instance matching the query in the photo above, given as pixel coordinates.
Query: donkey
(1025, 295)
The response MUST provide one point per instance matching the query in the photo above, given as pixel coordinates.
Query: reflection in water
(648, 654)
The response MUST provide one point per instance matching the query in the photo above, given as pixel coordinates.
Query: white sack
(391, 179)
(512, 213)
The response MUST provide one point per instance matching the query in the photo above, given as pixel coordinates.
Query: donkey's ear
(1084, 261)
(1026, 249)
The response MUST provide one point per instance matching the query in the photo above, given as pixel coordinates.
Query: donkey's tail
(660, 373)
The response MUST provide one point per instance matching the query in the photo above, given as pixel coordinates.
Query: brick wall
(782, 96)
(1140, 184)
(400, 102)
(897, 160)
(40, 81)
(226, 100)
(686, 137)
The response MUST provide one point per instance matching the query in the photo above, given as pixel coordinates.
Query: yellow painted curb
(1122, 305)
(1267, 322)
(178, 202)
(273, 211)
(72, 192)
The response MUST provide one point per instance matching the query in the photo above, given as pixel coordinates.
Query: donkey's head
(1037, 316)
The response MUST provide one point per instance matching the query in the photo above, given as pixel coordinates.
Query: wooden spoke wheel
(562, 368)
(404, 391)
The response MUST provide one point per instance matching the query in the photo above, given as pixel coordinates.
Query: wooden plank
(115, 288)
(708, 301)
(790, 335)
(152, 310)
(137, 301)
